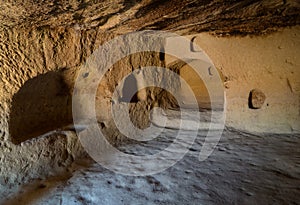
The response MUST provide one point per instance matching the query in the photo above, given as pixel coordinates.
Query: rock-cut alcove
(42, 104)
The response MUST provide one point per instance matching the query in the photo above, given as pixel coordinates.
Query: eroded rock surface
(186, 16)
(43, 45)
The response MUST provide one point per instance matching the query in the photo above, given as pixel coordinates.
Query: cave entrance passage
(191, 54)
(198, 87)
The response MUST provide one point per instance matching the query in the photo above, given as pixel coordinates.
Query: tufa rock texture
(43, 44)
(269, 63)
(183, 16)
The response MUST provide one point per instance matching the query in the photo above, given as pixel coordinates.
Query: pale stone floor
(243, 169)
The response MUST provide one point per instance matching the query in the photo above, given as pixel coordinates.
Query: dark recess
(42, 104)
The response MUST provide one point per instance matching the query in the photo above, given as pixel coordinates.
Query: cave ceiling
(181, 16)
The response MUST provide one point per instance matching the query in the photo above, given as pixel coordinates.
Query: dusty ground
(244, 169)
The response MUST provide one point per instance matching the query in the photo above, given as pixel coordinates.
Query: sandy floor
(244, 169)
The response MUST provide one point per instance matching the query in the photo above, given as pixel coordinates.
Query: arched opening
(129, 90)
(197, 85)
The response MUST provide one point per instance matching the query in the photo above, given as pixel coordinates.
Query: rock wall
(38, 71)
(268, 63)
(44, 43)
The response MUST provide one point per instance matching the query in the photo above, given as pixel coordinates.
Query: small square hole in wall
(256, 99)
